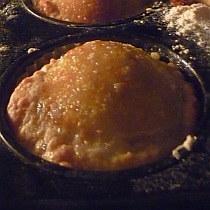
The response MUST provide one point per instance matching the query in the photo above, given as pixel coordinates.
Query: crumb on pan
(187, 144)
(33, 49)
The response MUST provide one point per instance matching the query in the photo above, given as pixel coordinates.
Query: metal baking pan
(172, 184)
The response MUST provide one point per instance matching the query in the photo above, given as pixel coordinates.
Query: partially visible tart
(90, 11)
(103, 105)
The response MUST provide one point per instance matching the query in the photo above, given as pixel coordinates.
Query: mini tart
(103, 105)
(90, 11)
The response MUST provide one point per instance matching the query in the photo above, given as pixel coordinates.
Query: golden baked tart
(103, 105)
(90, 11)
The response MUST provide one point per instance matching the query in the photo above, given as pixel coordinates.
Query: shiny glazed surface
(90, 11)
(103, 106)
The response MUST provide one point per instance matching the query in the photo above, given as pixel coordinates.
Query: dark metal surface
(180, 186)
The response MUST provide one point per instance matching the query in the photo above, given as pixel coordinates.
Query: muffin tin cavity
(28, 63)
(97, 13)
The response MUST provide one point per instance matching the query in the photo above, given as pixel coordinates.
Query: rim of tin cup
(19, 69)
(30, 8)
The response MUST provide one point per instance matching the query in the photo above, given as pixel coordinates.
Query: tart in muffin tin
(26, 65)
(97, 13)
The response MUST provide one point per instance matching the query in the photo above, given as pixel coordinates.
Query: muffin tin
(24, 38)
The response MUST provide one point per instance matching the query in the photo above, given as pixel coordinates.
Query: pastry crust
(103, 106)
(90, 11)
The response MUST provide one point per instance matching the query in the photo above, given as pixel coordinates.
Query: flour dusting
(192, 22)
